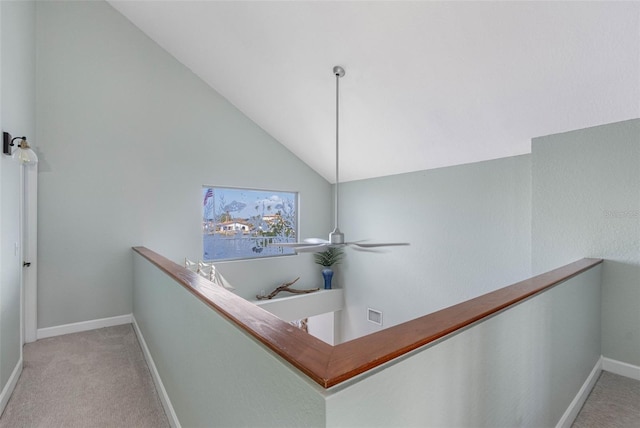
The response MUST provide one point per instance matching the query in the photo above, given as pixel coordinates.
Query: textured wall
(215, 374)
(127, 137)
(469, 229)
(586, 203)
(520, 368)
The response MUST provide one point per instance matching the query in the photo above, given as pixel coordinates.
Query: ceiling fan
(336, 238)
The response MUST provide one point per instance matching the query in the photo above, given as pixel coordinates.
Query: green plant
(329, 257)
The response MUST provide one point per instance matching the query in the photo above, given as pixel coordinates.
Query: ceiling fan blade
(307, 242)
(311, 245)
(375, 245)
(287, 244)
(368, 250)
(316, 241)
(312, 248)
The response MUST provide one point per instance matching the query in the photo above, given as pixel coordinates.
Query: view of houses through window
(240, 223)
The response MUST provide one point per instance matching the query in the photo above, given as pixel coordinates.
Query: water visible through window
(241, 223)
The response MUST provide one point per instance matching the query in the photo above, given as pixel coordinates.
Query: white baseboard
(162, 392)
(572, 411)
(10, 386)
(620, 368)
(83, 326)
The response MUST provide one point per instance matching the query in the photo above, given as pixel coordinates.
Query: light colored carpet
(99, 378)
(614, 402)
(96, 378)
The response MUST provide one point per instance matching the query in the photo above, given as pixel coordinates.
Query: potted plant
(328, 258)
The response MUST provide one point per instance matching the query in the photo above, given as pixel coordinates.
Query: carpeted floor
(96, 378)
(99, 378)
(614, 402)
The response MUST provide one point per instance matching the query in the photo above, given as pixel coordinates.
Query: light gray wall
(17, 116)
(10, 269)
(470, 232)
(520, 368)
(586, 203)
(127, 136)
(229, 379)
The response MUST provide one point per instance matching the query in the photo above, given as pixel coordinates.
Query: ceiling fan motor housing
(336, 237)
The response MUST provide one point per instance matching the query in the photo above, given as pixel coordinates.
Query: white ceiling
(427, 85)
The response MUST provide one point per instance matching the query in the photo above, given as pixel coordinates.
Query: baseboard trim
(162, 392)
(77, 327)
(572, 411)
(5, 395)
(620, 368)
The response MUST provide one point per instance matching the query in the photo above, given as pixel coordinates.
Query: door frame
(30, 252)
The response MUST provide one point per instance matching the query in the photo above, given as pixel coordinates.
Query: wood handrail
(330, 365)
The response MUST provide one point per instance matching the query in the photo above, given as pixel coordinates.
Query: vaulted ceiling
(428, 84)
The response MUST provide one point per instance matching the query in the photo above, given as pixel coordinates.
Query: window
(240, 223)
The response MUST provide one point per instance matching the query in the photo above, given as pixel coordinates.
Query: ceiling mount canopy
(336, 237)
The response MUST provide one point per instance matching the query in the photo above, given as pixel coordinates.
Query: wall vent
(374, 316)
